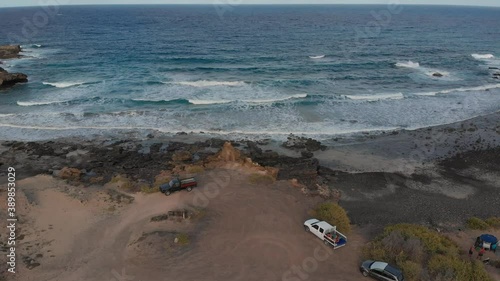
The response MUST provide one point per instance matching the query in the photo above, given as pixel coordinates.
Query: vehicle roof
(386, 267)
(394, 271)
(324, 225)
(378, 265)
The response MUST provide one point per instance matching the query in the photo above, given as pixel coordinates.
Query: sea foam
(408, 64)
(63, 84)
(206, 83)
(30, 103)
(394, 96)
(271, 100)
(483, 56)
(462, 89)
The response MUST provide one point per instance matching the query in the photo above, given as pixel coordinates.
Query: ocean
(254, 72)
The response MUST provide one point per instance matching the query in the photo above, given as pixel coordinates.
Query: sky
(3, 3)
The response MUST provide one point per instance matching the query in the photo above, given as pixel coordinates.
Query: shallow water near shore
(255, 71)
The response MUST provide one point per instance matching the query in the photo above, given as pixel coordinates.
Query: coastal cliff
(10, 79)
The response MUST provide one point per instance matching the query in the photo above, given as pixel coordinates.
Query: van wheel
(365, 274)
(167, 193)
(306, 228)
(189, 189)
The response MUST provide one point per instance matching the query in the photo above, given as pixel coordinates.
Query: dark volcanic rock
(294, 142)
(10, 79)
(305, 170)
(10, 52)
(437, 74)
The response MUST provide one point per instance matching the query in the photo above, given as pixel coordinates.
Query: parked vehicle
(381, 271)
(177, 184)
(326, 232)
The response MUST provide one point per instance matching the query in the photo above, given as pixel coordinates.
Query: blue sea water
(251, 71)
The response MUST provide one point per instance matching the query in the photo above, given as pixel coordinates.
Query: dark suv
(381, 271)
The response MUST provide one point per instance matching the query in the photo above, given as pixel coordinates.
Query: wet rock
(307, 154)
(215, 143)
(10, 79)
(10, 51)
(295, 142)
(253, 149)
(437, 74)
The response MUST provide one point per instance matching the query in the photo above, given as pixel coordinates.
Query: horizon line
(252, 4)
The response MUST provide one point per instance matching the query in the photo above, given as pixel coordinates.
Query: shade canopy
(488, 238)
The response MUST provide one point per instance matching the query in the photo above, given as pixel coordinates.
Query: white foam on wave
(6, 115)
(316, 57)
(296, 96)
(462, 89)
(36, 103)
(393, 96)
(63, 84)
(429, 72)
(207, 102)
(206, 83)
(483, 56)
(408, 64)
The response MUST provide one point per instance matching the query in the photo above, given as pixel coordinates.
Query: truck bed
(188, 180)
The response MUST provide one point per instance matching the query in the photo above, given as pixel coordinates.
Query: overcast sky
(12, 3)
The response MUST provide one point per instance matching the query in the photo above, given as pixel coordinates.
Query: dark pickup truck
(177, 184)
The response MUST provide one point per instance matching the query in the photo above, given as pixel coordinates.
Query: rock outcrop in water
(437, 74)
(10, 79)
(10, 52)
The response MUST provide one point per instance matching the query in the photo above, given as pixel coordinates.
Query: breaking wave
(206, 83)
(273, 100)
(395, 96)
(63, 84)
(483, 56)
(463, 89)
(408, 64)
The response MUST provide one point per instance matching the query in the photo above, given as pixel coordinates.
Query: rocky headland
(10, 79)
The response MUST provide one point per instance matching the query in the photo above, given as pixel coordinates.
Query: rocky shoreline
(10, 79)
(439, 176)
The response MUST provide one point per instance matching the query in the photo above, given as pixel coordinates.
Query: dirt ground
(467, 238)
(240, 231)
